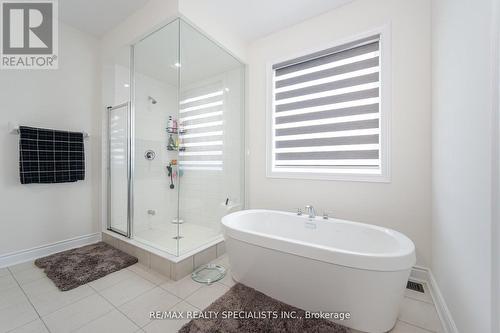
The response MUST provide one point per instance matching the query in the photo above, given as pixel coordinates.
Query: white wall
(403, 204)
(195, 12)
(153, 15)
(67, 98)
(462, 159)
(496, 167)
(495, 310)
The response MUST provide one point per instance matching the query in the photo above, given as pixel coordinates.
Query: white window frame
(385, 114)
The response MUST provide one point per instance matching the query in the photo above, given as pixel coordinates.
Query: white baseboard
(442, 309)
(18, 257)
(424, 274)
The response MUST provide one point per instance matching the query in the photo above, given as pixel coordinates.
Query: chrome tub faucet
(311, 212)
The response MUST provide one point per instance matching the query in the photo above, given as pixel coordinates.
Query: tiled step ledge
(156, 262)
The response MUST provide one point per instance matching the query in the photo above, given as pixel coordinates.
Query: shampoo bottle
(171, 143)
(170, 124)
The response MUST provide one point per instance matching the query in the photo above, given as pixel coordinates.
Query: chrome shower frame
(127, 105)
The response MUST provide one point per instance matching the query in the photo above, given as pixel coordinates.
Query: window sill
(374, 178)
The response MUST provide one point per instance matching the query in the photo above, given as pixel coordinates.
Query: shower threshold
(176, 267)
(170, 239)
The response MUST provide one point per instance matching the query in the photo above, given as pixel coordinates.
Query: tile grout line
(117, 308)
(419, 300)
(16, 328)
(217, 282)
(220, 282)
(194, 306)
(141, 294)
(179, 296)
(156, 272)
(108, 301)
(155, 285)
(159, 285)
(107, 312)
(417, 326)
(29, 300)
(61, 307)
(151, 321)
(67, 305)
(90, 286)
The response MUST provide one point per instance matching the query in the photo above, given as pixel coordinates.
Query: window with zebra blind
(202, 122)
(328, 116)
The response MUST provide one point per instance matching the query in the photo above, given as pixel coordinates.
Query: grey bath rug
(73, 268)
(243, 298)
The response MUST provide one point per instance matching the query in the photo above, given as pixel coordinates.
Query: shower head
(152, 100)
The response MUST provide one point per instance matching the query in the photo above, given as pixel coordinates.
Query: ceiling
(253, 19)
(156, 56)
(97, 16)
(247, 19)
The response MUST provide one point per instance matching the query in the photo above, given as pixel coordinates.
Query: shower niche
(185, 139)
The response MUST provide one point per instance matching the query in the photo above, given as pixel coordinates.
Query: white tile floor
(121, 302)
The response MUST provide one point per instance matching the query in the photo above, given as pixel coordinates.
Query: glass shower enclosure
(176, 161)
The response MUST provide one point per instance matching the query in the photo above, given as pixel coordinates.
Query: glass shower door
(188, 135)
(118, 148)
(211, 116)
(155, 86)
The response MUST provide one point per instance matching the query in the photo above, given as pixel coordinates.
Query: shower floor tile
(193, 236)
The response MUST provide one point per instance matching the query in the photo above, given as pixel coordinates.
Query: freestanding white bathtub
(322, 265)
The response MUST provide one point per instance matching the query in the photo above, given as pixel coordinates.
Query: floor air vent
(415, 286)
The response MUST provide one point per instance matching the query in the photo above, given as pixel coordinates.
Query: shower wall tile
(143, 256)
(151, 182)
(161, 265)
(205, 256)
(200, 195)
(221, 249)
(108, 239)
(149, 274)
(182, 268)
(123, 246)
